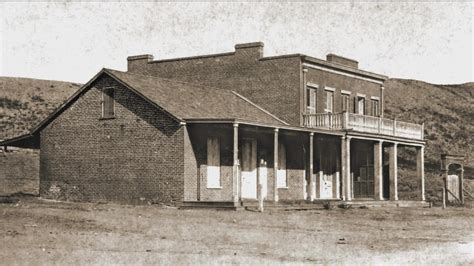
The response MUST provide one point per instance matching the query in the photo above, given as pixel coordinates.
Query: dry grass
(41, 232)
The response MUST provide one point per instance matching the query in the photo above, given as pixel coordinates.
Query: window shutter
(213, 163)
(108, 102)
(356, 105)
(281, 173)
(312, 101)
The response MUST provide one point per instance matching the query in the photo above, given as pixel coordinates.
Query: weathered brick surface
(271, 84)
(295, 164)
(340, 82)
(138, 156)
(199, 135)
(19, 172)
(190, 169)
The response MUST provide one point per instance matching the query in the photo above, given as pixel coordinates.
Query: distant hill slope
(446, 110)
(25, 102)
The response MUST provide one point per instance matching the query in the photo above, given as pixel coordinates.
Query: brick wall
(136, 157)
(19, 172)
(340, 82)
(272, 84)
(199, 135)
(295, 164)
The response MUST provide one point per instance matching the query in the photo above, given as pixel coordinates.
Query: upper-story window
(375, 106)
(329, 100)
(108, 108)
(360, 105)
(311, 95)
(345, 100)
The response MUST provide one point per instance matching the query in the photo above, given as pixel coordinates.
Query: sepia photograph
(237, 133)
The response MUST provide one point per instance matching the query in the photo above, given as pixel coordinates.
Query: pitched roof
(187, 101)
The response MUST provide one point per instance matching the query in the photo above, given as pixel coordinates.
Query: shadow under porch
(224, 163)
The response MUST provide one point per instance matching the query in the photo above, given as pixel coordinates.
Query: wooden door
(249, 169)
(364, 182)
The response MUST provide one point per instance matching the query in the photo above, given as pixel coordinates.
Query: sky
(69, 41)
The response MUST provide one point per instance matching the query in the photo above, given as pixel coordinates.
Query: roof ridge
(172, 80)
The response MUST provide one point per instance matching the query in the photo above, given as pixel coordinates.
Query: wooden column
(235, 168)
(275, 165)
(346, 167)
(461, 186)
(378, 170)
(343, 169)
(312, 181)
(393, 165)
(420, 169)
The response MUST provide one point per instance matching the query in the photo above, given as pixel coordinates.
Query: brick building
(211, 128)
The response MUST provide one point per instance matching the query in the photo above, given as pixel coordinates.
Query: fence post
(345, 120)
(380, 123)
(444, 193)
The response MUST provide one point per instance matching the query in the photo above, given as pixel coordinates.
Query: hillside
(446, 110)
(25, 102)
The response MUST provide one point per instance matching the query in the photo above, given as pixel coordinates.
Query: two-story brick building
(211, 128)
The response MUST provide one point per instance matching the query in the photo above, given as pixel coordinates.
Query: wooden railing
(364, 123)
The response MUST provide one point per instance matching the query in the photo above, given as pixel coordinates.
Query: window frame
(375, 111)
(345, 101)
(217, 184)
(329, 91)
(112, 102)
(360, 98)
(311, 88)
(282, 173)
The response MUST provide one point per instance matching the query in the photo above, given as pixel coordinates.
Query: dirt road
(43, 232)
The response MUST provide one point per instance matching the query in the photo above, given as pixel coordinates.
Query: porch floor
(303, 204)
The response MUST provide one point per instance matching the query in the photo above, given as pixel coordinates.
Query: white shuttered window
(281, 173)
(213, 163)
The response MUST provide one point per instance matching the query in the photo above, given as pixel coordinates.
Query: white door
(326, 186)
(249, 169)
(262, 176)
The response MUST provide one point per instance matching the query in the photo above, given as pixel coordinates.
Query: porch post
(312, 182)
(420, 169)
(378, 170)
(346, 167)
(275, 165)
(461, 185)
(393, 164)
(235, 168)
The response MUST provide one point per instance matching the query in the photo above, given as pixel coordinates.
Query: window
(213, 163)
(311, 100)
(281, 172)
(345, 102)
(375, 107)
(359, 105)
(108, 109)
(329, 102)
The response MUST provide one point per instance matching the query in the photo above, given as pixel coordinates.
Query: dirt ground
(36, 232)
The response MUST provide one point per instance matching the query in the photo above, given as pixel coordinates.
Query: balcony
(364, 124)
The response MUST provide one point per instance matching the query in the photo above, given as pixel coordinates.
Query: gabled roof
(182, 101)
(188, 101)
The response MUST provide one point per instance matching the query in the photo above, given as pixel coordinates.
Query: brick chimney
(342, 60)
(253, 49)
(137, 62)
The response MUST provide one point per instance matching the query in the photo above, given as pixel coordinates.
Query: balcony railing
(364, 123)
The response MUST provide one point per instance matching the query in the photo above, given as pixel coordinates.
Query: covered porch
(226, 162)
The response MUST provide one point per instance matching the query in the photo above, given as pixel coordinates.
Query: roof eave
(343, 68)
